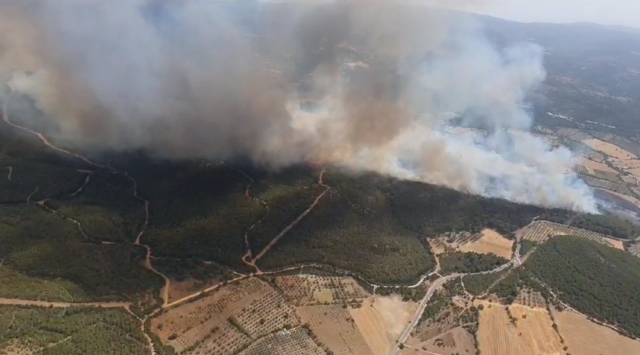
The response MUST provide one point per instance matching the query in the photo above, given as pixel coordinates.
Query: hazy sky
(609, 12)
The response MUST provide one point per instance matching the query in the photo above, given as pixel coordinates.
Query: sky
(607, 12)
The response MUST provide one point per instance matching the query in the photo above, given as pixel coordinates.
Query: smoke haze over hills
(362, 85)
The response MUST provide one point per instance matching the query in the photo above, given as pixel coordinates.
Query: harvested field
(454, 341)
(584, 337)
(227, 320)
(311, 289)
(624, 164)
(609, 149)
(284, 342)
(593, 166)
(540, 231)
(486, 242)
(334, 327)
(491, 242)
(395, 313)
(529, 332)
(372, 327)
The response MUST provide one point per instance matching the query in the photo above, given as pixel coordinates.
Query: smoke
(359, 84)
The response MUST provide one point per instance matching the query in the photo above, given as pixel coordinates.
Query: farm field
(454, 341)
(530, 298)
(227, 320)
(616, 186)
(609, 149)
(585, 337)
(335, 328)
(529, 332)
(540, 231)
(491, 242)
(631, 199)
(395, 313)
(593, 166)
(313, 289)
(372, 327)
(486, 242)
(285, 342)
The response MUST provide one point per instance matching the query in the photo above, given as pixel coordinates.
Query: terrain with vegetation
(114, 253)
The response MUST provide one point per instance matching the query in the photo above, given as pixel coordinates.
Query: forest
(70, 331)
(600, 281)
(459, 262)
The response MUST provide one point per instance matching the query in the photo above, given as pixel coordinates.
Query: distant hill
(593, 71)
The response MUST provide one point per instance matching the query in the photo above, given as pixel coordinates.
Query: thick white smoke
(357, 84)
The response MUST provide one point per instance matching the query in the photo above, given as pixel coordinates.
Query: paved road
(435, 286)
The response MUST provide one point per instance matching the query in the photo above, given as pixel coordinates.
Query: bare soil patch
(183, 288)
(334, 327)
(584, 337)
(609, 149)
(395, 313)
(456, 340)
(516, 330)
(227, 320)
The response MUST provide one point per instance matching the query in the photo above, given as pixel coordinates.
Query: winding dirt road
(148, 265)
(10, 168)
(5, 117)
(277, 238)
(147, 262)
(435, 286)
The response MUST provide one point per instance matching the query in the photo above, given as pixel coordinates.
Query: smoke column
(359, 84)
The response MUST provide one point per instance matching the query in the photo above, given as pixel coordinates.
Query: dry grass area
(311, 289)
(584, 337)
(486, 242)
(395, 313)
(454, 341)
(227, 320)
(372, 327)
(335, 328)
(540, 231)
(529, 333)
(285, 342)
(609, 149)
(592, 166)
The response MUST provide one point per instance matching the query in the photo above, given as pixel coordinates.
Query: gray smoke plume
(360, 84)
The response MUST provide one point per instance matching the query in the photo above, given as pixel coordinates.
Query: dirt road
(435, 286)
(313, 205)
(18, 302)
(5, 117)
